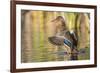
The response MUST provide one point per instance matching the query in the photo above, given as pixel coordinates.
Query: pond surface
(59, 55)
(45, 56)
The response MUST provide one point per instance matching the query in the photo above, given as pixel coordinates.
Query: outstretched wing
(60, 41)
(56, 40)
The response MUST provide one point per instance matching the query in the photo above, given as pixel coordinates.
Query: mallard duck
(63, 40)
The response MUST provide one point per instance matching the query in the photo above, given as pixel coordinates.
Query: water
(46, 55)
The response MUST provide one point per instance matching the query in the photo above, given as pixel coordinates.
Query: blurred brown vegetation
(36, 27)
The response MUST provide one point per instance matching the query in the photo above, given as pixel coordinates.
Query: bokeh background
(36, 27)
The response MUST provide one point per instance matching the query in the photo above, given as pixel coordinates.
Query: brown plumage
(63, 36)
(62, 33)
